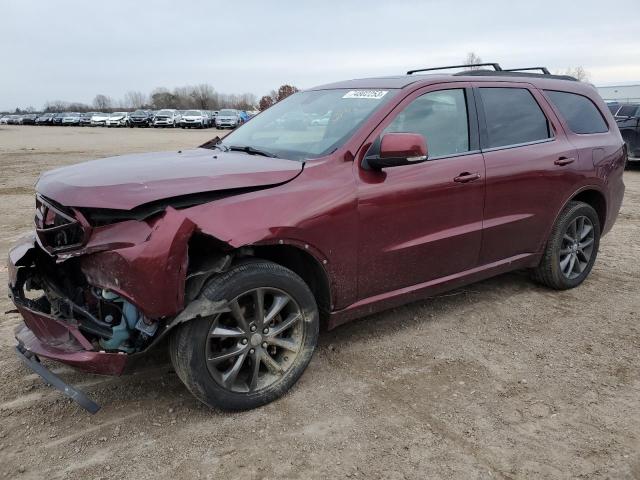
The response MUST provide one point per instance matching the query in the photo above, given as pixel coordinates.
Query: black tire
(191, 344)
(550, 271)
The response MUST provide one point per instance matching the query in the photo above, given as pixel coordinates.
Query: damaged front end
(97, 295)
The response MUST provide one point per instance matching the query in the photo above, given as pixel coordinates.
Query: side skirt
(384, 301)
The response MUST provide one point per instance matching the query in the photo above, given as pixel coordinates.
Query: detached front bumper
(53, 338)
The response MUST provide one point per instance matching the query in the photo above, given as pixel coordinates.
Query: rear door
(423, 221)
(529, 166)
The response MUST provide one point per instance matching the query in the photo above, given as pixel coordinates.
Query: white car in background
(99, 119)
(194, 118)
(167, 118)
(118, 119)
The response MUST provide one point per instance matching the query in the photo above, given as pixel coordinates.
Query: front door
(424, 221)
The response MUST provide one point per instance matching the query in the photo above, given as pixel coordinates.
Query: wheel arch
(591, 195)
(596, 199)
(305, 265)
(214, 256)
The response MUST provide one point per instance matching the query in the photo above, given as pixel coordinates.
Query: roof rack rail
(542, 69)
(507, 73)
(495, 66)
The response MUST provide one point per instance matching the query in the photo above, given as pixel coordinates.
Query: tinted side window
(626, 111)
(513, 116)
(581, 114)
(441, 117)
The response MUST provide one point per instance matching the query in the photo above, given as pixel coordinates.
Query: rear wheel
(571, 249)
(254, 353)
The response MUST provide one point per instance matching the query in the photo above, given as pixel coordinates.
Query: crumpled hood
(128, 181)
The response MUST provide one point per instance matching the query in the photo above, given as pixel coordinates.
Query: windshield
(165, 112)
(192, 113)
(139, 112)
(118, 114)
(228, 112)
(309, 124)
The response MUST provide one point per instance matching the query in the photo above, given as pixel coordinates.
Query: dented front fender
(150, 274)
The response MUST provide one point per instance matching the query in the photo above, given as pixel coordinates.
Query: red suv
(335, 203)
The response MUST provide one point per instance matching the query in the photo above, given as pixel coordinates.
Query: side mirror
(398, 149)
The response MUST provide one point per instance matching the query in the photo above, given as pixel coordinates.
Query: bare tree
(56, 106)
(134, 99)
(163, 98)
(203, 96)
(102, 103)
(577, 72)
(471, 59)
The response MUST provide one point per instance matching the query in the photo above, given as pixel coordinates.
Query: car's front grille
(58, 229)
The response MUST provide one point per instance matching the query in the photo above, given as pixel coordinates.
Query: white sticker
(372, 94)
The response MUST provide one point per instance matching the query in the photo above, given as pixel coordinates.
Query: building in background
(620, 93)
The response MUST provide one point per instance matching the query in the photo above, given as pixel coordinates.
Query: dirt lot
(503, 379)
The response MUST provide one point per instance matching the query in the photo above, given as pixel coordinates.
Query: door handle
(465, 177)
(564, 161)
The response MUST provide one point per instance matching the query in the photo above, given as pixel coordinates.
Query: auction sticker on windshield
(372, 94)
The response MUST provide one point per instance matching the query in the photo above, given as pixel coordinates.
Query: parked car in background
(628, 121)
(85, 118)
(15, 119)
(57, 118)
(4, 119)
(71, 119)
(194, 119)
(613, 107)
(228, 118)
(627, 110)
(167, 118)
(99, 119)
(118, 119)
(29, 119)
(45, 119)
(140, 118)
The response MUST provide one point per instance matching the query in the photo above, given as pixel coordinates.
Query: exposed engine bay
(108, 320)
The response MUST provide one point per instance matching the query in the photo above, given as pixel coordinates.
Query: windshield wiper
(214, 143)
(252, 151)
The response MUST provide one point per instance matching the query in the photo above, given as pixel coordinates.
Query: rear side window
(581, 114)
(513, 117)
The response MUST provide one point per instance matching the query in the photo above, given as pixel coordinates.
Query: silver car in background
(228, 118)
(167, 118)
(71, 118)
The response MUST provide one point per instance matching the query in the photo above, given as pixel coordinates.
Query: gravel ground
(501, 379)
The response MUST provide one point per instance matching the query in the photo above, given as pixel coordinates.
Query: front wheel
(252, 354)
(571, 249)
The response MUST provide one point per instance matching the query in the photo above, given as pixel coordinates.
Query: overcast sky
(72, 50)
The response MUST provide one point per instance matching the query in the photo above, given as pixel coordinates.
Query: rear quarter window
(581, 115)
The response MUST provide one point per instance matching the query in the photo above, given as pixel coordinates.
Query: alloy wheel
(576, 247)
(253, 345)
